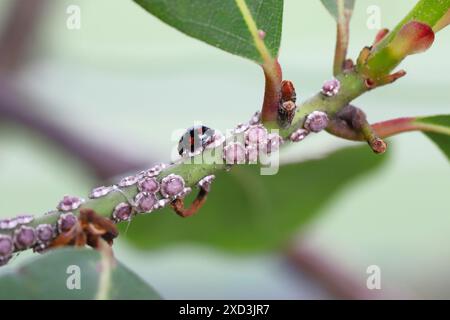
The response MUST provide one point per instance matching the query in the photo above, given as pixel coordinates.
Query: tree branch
(117, 199)
(110, 205)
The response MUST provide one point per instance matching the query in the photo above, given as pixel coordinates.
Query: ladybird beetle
(287, 107)
(195, 139)
(288, 91)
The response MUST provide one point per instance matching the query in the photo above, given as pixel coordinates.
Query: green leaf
(437, 128)
(46, 278)
(442, 141)
(247, 212)
(223, 24)
(333, 9)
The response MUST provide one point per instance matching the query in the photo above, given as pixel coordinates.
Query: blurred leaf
(46, 278)
(333, 9)
(220, 23)
(249, 212)
(439, 123)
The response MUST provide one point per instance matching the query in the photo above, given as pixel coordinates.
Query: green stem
(352, 85)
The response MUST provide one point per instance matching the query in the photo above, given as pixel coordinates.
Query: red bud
(413, 37)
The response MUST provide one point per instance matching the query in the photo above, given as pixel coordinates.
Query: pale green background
(129, 80)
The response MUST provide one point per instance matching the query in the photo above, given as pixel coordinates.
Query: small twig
(354, 120)
(384, 129)
(342, 37)
(395, 126)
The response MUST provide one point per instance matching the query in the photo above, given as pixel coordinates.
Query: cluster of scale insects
(156, 192)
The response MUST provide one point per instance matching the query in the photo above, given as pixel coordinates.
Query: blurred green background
(127, 80)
